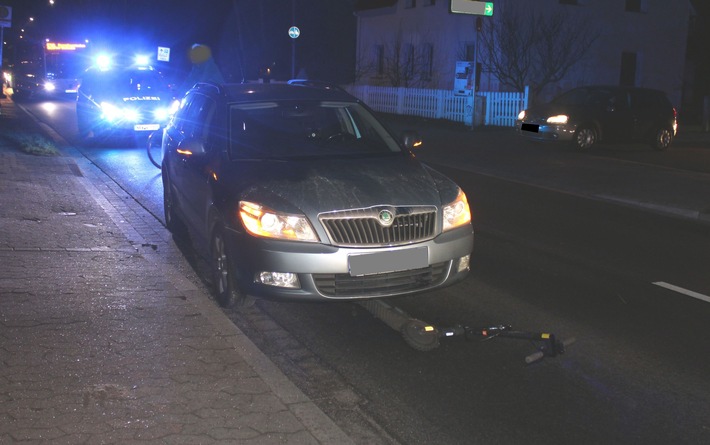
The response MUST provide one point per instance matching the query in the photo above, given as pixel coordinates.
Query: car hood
(315, 186)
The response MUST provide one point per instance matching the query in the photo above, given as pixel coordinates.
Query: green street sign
(471, 7)
(488, 9)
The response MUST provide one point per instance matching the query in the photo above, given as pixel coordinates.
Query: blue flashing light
(142, 60)
(103, 61)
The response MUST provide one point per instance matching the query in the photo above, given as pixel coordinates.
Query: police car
(122, 100)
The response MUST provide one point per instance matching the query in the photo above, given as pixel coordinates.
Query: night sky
(245, 35)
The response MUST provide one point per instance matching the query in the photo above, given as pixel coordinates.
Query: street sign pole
(478, 8)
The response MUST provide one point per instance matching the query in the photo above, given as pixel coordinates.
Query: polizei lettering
(137, 98)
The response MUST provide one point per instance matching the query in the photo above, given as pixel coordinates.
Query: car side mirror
(411, 139)
(191, 147)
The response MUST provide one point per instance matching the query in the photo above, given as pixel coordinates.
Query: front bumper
(325, 273)
(545, 132)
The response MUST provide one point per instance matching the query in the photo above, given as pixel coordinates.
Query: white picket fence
(500, 109)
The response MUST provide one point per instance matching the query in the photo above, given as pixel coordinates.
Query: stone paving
(103, 341)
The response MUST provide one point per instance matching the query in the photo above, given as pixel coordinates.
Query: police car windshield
(131, 82)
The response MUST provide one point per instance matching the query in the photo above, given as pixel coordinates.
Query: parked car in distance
(586, 115)
(297, 192)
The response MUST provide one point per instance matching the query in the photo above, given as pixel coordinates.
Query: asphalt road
(626, 283)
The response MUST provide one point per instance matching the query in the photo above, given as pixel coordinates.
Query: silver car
(297, 192)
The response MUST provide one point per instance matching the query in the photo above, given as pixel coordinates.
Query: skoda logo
(386, 218)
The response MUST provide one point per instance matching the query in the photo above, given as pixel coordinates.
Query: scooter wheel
(420, 336)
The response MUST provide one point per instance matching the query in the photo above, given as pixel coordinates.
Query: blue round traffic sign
(294, 32)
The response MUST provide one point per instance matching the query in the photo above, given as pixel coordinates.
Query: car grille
(391, 283)
(364, 227)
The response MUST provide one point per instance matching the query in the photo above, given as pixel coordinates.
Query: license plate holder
(530, 127)
(388, 261)
(146, 127)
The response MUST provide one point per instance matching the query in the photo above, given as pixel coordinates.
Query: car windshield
(294, 129)
(131, 82)
(584, 96)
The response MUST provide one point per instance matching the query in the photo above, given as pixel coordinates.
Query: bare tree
(530, 47)
(401, 62)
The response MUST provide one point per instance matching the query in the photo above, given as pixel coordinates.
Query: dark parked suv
(587, 115)
(297, 192)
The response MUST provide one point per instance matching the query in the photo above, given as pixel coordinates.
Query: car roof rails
(315, 83)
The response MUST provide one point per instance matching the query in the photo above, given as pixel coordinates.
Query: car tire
(662, 139)
(584, 138)
(224, 281)
(172, 221)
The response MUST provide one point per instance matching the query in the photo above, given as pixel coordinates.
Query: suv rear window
(649, 98)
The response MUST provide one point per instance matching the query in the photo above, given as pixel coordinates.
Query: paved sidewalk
(103, 340)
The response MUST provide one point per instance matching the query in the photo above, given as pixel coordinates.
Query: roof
(361, 5)
(280, 91)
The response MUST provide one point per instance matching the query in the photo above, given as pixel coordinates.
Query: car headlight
(559, 119)
(457, 213)
(262, 221)
(161, 114)
(110, 111)
(521, 115)
(49, 86)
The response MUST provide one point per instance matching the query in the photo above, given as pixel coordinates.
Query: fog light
(279, 279)
(464, 263)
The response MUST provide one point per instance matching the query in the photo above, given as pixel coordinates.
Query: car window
(649, 99)
(306, 128)
(620, 101)
(194, 116)
(577, 96)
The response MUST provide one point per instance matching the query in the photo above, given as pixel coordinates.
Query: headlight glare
(110, 111)
(559, 119)
(521, 115)
(457, 213)
(262, 221)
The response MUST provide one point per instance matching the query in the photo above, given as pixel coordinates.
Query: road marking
(687, 292)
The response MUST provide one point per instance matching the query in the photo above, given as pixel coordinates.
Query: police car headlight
(110, 111)
(131, 115)
(161, 114)
(49, 86)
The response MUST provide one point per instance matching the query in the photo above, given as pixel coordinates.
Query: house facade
(417, 43)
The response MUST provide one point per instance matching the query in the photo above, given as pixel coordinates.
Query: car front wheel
(585, 138)
(172, 221)
(662, 139)
(224, 282)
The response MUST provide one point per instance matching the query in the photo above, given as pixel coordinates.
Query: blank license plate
(530, 127)
(146, 127)
(389, 261)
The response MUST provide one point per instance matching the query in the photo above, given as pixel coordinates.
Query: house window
(379, 56)
(635, 6)
(427, 58)
(410, 3)
(470, 52)
(408, 61)
(628, 69)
